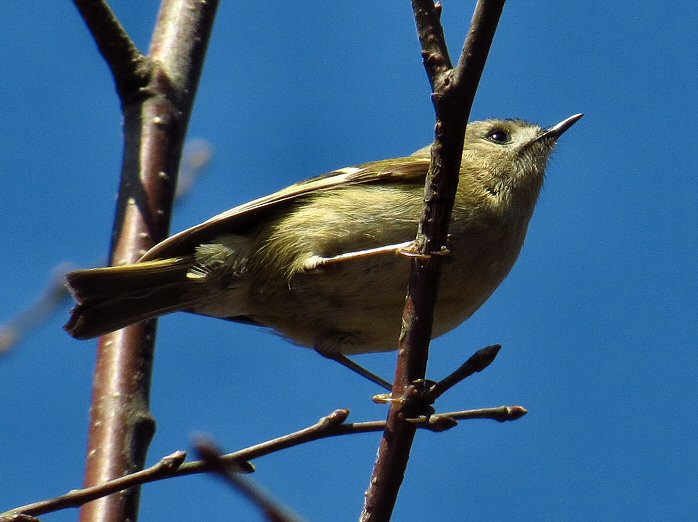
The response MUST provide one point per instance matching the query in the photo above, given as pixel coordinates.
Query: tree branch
(128, 66)
(230, 473)
(174, 466)
(156, 114)
(431, 37)
(453, 94)
(477, 363)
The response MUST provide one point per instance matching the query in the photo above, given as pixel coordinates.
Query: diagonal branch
(431, 37)
(231, 473)
(128, 66)
(453, 94)
(477, 363)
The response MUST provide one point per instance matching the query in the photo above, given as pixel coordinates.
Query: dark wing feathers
(239, 219)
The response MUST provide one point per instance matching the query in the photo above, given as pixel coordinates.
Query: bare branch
(156, 115)
(466, 75)
(128, 66)
(78, 497)
(431, 37)
(173, 466)
(478, 362)
(452, 96)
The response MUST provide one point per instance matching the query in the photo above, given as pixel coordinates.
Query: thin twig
(452, 95)
(330, 426)
(195, 159)
(476, 363)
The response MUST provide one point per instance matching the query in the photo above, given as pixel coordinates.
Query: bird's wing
(238, 220)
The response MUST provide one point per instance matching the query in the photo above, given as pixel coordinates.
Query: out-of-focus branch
(156, 114)
(453, 91)
(196, 157)
(173, 465)
(38, 312)
(272, 509)
(54, 298)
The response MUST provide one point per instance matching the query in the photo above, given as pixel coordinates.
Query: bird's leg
(410, 250)
(356, 368)
(315, 262)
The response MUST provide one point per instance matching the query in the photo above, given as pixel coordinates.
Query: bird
(325, 262)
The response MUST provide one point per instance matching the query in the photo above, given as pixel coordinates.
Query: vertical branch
(453, 94)
(156, 109)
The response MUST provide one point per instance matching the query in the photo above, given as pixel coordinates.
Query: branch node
(173, 461)
(335, 418)
(514, 413)
(439, 423)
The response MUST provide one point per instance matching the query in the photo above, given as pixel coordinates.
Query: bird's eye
(499, 136)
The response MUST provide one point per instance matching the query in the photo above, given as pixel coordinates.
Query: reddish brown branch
(128, 66)
(156, 113)
(453, 94)
(435, 56)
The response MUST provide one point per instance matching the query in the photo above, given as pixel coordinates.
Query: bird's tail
(114, 297)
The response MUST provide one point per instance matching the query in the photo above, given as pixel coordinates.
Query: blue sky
(598, 318)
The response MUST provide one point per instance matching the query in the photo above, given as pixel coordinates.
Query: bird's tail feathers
(111, 298)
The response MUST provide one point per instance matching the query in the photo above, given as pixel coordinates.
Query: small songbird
(319, 262)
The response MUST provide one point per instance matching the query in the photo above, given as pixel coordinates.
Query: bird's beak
(554, 132)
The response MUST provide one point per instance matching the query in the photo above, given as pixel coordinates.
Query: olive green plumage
(320, 261)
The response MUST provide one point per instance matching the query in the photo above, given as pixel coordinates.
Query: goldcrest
(320, 262)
